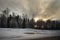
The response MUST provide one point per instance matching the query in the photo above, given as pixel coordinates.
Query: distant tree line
(17, 22)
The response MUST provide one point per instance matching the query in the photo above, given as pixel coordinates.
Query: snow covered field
(12, 34)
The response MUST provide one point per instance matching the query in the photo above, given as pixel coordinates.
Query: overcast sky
(43, 9)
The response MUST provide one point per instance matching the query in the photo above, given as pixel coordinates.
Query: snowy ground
(12, 34)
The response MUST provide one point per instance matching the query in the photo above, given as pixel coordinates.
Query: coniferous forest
(12, 21)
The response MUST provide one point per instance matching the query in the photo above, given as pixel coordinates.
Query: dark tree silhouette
(24, 23)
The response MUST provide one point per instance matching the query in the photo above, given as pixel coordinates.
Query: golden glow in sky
(36, 19)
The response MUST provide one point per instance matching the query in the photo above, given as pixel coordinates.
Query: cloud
(54, 9)
(40, 8)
